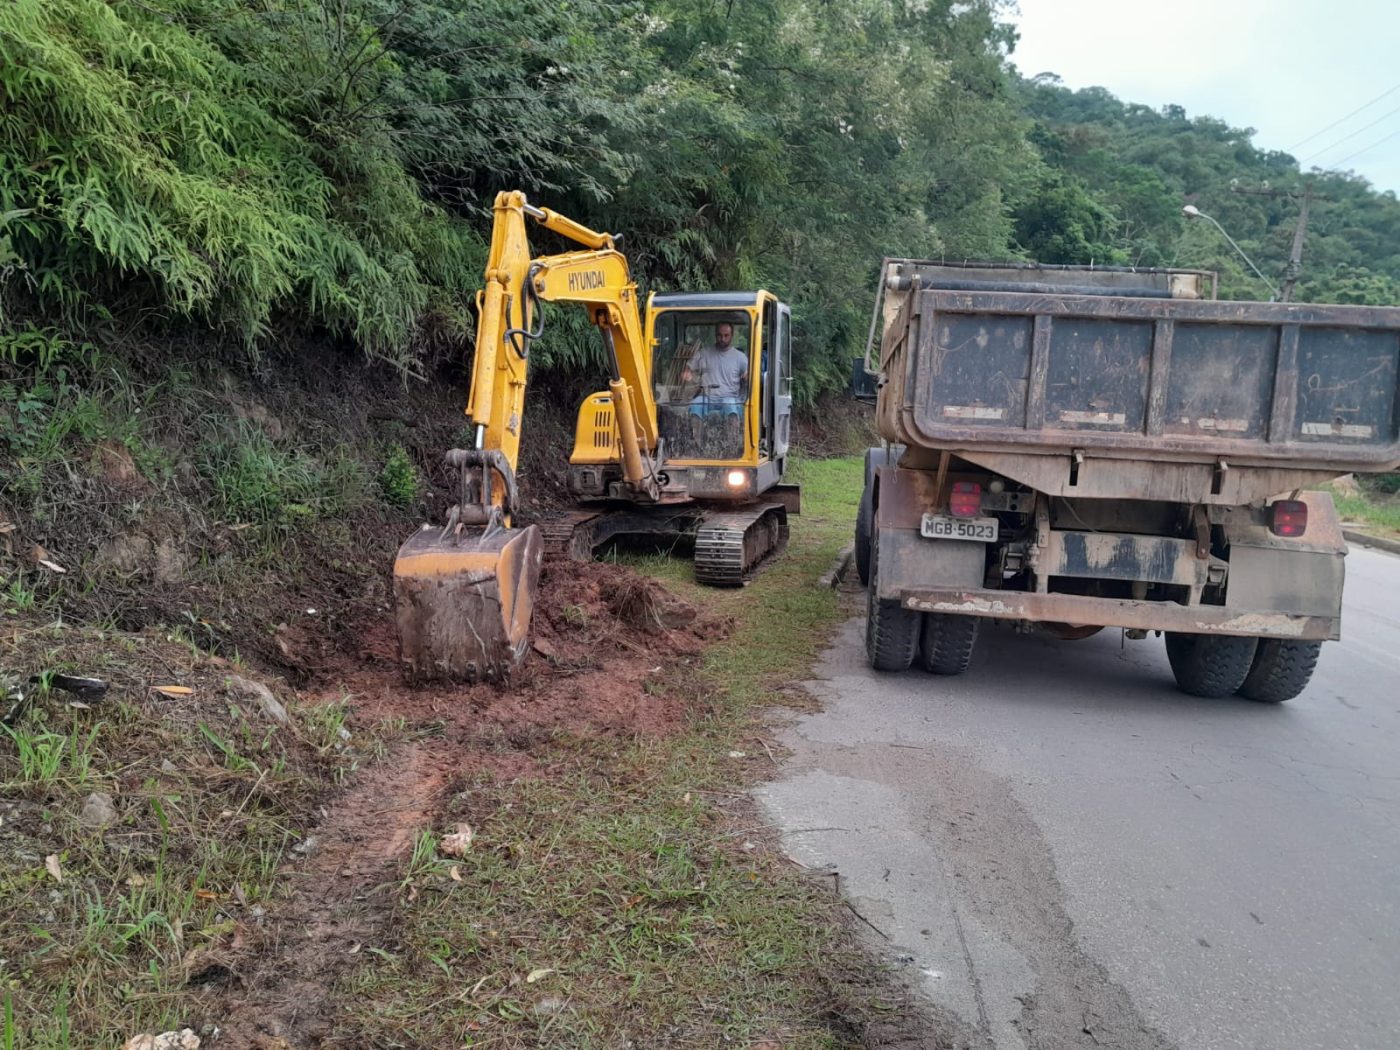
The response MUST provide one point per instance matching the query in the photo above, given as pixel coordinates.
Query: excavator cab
(720, 370)
(721, 377)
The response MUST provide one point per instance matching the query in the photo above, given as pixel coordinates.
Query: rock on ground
(185, 1039)
(261, 694)
(99, 811)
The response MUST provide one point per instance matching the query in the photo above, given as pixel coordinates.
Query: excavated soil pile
(609, 648)
(600, 633)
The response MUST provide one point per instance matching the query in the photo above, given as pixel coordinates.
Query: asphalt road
(1059, 849)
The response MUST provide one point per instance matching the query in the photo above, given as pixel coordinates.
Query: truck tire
(865, 516)
(1210, 665)
(891, 631)
(865, 520)
(946, 642)
(1281, 670)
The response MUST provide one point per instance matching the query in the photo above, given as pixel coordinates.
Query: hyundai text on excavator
(689, 440)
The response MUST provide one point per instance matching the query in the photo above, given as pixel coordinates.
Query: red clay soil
(338, 900)
(601, 633)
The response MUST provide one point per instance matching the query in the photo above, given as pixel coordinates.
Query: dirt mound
(604, 638)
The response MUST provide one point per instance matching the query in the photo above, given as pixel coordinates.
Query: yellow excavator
(688, 443)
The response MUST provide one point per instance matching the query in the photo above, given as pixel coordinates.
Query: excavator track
(571, 534)
(731, 544)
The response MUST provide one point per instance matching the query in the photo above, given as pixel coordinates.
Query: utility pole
(1295, 257)
(1300, 232)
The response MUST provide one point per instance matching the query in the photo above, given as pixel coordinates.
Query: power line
(1341, 120)
(1348, 138)
(1368, 149)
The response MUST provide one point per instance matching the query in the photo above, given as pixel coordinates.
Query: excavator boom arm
(464, 592)
(597, 279)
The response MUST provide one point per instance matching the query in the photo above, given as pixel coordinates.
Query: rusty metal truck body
(1077, 449)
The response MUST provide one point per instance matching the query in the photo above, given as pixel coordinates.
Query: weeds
(53, 406)
(257, 481)
(43, 349)
(398, 481)
(1380, 512)
(40, 755)
(47, 758)
(199, 636)
(324, 724)
(423, 861)
(1379, 484)
(143, 910)
(18, 595)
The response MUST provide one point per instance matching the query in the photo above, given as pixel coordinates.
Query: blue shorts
(701, 405)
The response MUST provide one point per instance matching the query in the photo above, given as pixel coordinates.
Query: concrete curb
(839, 568)
(1365, 539)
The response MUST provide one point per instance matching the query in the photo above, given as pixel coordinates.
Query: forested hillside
(260, 170)
(265, 167)
(1115, 176)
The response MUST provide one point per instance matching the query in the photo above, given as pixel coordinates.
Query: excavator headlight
(737, 479)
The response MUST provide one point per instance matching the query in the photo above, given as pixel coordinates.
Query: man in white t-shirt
(722, 371)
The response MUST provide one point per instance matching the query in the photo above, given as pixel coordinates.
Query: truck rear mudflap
(1116, 612)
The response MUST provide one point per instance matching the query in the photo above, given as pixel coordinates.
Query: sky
(1287, 68)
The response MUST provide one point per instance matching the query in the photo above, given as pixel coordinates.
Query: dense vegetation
(266, 168)
(1116, 175)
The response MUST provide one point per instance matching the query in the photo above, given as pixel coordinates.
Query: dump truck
(1071, 448)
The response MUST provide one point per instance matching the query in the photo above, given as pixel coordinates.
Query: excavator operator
(722, 370)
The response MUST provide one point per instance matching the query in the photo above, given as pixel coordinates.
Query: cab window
(701, 380)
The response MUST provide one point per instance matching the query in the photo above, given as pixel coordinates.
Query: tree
(1063, 223)
(1352, 284)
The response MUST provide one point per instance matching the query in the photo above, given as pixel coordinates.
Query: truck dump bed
(1236, 400)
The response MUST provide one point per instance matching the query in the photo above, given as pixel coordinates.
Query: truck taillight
(1288, 517)
(965, 501)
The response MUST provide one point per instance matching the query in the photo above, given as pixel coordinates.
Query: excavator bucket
(463, 602)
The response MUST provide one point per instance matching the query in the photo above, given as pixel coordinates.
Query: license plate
(947, 527)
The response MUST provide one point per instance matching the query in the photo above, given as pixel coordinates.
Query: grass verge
(1379, 514)
(628, 898)
(135, 826)
(617, 891)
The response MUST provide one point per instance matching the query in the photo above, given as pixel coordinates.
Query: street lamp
(1193, 212)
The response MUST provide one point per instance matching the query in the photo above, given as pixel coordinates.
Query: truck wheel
(1210, 665)
(946, 642)
(891, 631)
(1281, 670)
(865, 519)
